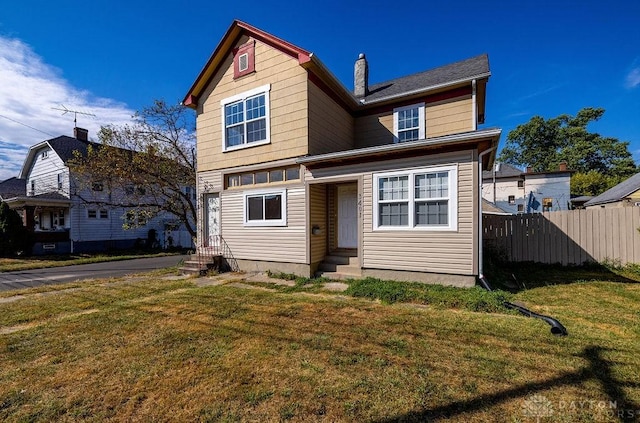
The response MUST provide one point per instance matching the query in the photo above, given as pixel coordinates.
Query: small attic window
(45, 154)
(243, 62)
(244, 59)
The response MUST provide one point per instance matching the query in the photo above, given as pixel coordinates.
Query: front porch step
(340, 264)
(199, 265)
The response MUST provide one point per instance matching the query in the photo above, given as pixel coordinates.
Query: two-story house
(515, 191)
(296, 173)
(70, 213)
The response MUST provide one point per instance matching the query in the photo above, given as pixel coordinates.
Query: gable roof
(13, 187)
(449, 75)
(502, 170)
(63, 146)
(473, 68)
(618, 192)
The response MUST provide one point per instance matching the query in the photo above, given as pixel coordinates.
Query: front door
(212, 220)
(347, 216)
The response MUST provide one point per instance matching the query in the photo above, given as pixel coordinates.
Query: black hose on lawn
(556, 327)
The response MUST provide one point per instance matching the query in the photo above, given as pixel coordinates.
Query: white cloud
(29, 90)
(633, 78)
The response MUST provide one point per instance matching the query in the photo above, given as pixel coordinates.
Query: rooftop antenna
(64, 111)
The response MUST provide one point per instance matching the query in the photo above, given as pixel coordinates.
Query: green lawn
(163, 350)
(42, 262)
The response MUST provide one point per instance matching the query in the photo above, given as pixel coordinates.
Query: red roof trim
(234, 31)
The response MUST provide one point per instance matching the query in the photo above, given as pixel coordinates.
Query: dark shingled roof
(463, 70)
(506, 171)
(65, 146)
(618, 192)
(13, 187)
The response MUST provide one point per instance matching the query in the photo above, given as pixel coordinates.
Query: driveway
(54, 275)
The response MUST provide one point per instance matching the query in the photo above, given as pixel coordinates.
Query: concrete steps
(340, 265)
(199, 264)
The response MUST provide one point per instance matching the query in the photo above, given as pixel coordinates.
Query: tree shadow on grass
(516, 277)
(598, 369)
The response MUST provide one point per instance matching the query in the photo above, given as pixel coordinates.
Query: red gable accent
(237, 29)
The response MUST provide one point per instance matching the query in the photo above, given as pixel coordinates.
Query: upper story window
(60, 181)
(244, 59)
(245, 119)
(32, 190)
(45, 154)
(409, 123)
(416, 199)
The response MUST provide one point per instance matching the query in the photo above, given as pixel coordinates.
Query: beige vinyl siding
(374, 130)
(442, 118)
(318, 217)
(449, 117)
(287, 109)
(278, 244)
(449, 252)
(330, 126)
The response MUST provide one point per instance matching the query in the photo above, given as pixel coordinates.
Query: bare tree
(147, 167)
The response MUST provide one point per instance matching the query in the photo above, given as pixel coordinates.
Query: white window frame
(264, 222)
(452, 199)
(421, 121)
(246, 62)
(264, 89)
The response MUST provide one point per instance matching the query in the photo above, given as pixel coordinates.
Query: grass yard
(42, 262)
(163, 350)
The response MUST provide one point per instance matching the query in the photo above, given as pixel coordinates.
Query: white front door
(347, 216)
(212, 220)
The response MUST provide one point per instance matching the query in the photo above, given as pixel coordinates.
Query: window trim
(264, 89)
(452, 199)
(264, 222)
(421, 121)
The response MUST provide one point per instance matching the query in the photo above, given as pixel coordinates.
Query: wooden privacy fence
(567, 237)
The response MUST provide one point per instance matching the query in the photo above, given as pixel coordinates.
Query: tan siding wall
(449, 117)
(442, 118)
(279, 244)
(374, 130)
(288, 110)
(330, 126)
(318, 216)
(422, 251)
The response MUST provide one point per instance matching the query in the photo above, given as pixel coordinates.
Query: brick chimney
(562, 166)
(529, 169)
(81, 134)
(361, 77)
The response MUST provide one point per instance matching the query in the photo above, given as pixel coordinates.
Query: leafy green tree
(148, 167)
(14, 237)
(543, 143)
(592, 182)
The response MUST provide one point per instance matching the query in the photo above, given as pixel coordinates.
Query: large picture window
(245, 119)
(416, 199)
(265, 208)
(409, 123)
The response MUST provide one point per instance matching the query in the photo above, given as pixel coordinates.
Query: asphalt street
(55, 275)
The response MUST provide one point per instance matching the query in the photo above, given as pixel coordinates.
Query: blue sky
(111, 58)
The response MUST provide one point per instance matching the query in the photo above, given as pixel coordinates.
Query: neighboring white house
(515, 191)
(48, 197)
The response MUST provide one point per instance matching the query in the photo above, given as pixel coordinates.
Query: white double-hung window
(416, 199)
(245, 119)
(409, 123)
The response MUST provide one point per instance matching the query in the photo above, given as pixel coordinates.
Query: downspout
(556, 327)
(479, 240)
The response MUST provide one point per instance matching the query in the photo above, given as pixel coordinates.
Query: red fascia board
(234, 31)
